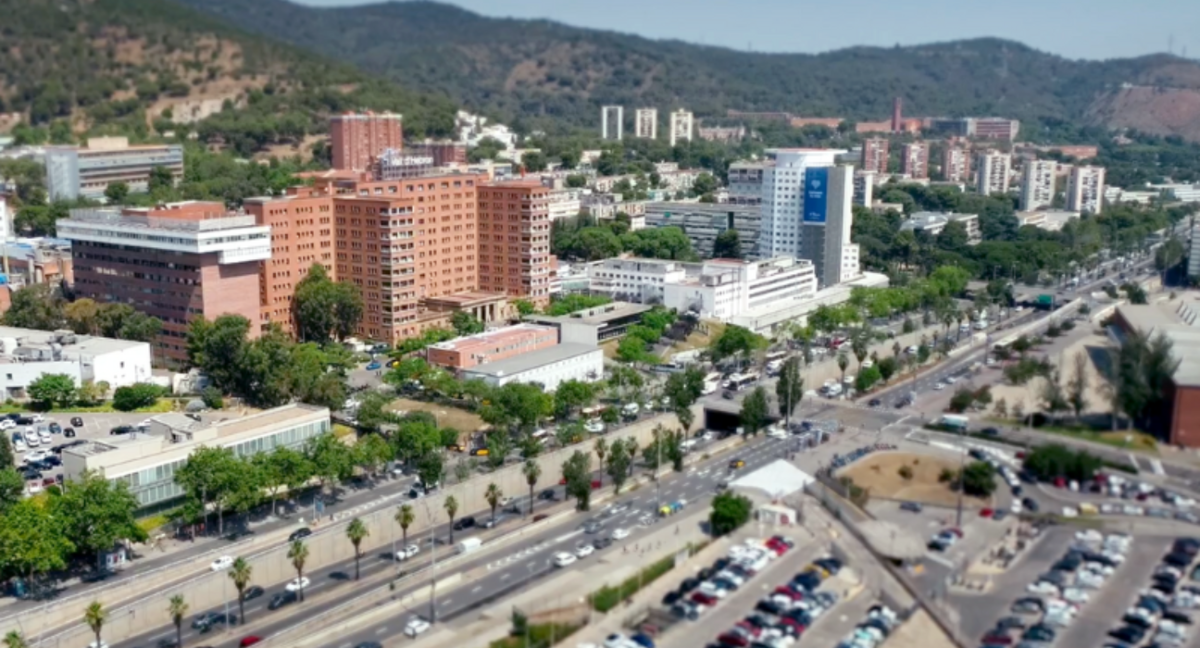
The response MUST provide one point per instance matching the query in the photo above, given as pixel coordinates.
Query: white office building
(993, 172)
(641, 281)
(548, 367)
(682, 123)
(645, 123)
(1085, 189)
(612, 122)
(1037, 184)
(726, 287)
(26, 355)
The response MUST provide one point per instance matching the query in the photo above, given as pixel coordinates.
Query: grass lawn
(453, 417)
(159, 407)
(1125, 439)
(880, 474)
(697, 340)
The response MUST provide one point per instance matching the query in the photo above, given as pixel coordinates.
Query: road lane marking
(477, 588)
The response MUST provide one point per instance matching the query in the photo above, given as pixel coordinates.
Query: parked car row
(1057, 595)
(698, 594)
(874, 628)
(782, 617)
(840, 460)
(1159, 611)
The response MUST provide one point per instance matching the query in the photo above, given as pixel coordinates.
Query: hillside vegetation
(526, 70)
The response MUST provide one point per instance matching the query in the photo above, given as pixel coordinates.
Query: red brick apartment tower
(514, 240)
(175, 262)
(301, 223)
(354, 138)
(403, 241)
(875, 155)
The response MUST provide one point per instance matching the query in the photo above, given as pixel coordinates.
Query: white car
(620, 534)
(7, 424)
(940, 386)
(408, 552)
(777, 432)
(32, 440)
(102, 644)
(1089, 580)
(37, 418)
(45, 436)
(1070, 512)
(1042, 587)
(615, 640)
(37, 455)
(1076, 595)
(297, 584)
(564, 559)
(1090, 535)
(415, 626)
(1017, 507)
(594, 426)
(18, 443)
(222, 563)
(583, 551)
(950, 380)
(710, 588)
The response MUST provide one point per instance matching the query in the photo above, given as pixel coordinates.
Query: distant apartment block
(746, 182)
(393, 164)
(682, 126)
(355, 138)
(85, 172)
(993, 172)
(914, 160)
(491, 346)
(1085, 189)
(996, 128)
(514, 240)
(645, 123)
(703, 222)
(612, 122)
(725, 288)
(956, 164)
(864, 188)
(932, 223)
(174, 262)
(1051, 220)
(1038, 184)
(875, 155)
(443, 153)
(724, 134)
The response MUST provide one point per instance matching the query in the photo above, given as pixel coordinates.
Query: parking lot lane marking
(477, 588)
(505, 576)
(379, 631)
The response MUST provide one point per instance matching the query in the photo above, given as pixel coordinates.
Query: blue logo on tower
(816, 190)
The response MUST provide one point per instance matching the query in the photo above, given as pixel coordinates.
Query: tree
(95, 616)
(161, 179)
(431, 468)
(867, 378)
(1055, 460)
(35, 540)
(572, 395)
(532, 472)
(493, 495)
(729, 512)
(576, 473)
(405, 516)
(524, 307)
(12, 488)
(1078, 385)
(210, 475)
(727, 245)
(620, 459)
(736, 341)
(533, 161)
(136, 396)
(240, 573)
(7, 460)
(325, 309)
(979, 479)
(178, 609)
(36, 306)
(860, 345)
(356, 532)
(1053, 398)
(789, 389)
(754, 411)
(98, 513)
(519, 404)
(888, 367)
(298, 555)
(282, 468)
(962, 400)
(371, 452)
(843, 361)
(465, 323)
(14, 639)
(332, 461)
(451, 506)
(704, 183)
(116, 192)
(1001, 408)
(52, 389)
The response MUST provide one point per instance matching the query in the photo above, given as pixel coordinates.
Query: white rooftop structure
(29, 354)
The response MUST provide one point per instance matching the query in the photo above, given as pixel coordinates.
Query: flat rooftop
(533, 360)
(490, 339)
(83, 344)
(599, 315)
(1179, 321)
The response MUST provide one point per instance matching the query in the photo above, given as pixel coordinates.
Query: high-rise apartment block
(612, 122)
(994, 169)
(85, 172)
(746, 182)
(864, 188)
(355, 138)
(646, 123)
(875, 155)
(1037, 184)
(682, 126)
(914, 160)
(443, 153)
(174, 262)
(1085, 189)
(514, 240)
(956, 164)
(301, 223)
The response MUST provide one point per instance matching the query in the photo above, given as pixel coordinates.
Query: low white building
(725, 287)
(635, 280)
(27, 354)
(565, 203)
(548, 367)
(932, 223)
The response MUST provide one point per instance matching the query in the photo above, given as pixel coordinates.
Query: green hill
(524, 70)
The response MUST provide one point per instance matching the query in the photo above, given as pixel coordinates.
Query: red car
(704, 599)
(997, 640)
(250, 641)
(985, 512)
(786, 542)
(748, 628)
(790, 593)
(733, 639)
(800, 627)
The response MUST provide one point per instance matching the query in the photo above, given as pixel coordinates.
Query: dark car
(602, 543)
(1030, 505)
(464, 523)
(990, 431)
(281, 599)
(299, 534)
(874, 402)
(24, 420)
(1177, 617)
(77, 421)
(831, 565)
(253, 592)
(688, 585)
(1135, 620)
(671, 598)
(733, 639)
(1128, 633)
(121, 429)
(685, 610)
(1186, 545)
(1010, 622)
(55, 428)
(205, 621)
(770, 607)
(1017, 490)
(69, 433)
(643, 640)
(547, 494)
(1178, 559)
(993, 639)
(368, 644)
(703, 599)
(1039, 633)
(727, 395)
(915, 507)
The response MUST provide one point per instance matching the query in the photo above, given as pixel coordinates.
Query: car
(564, 559)
(594, 426)
(281, 599)
(616, 640)
(249, 641)
(643, 640)
(69, 432)
(299, 534)
(374, 365)
(205, 621)
(77, 421)
(298, 584)
(915, 507)
(368, 644)
(996, 639)
(584, 550)
(619, 533)
(707, 600)
(548, 494)
(734, 464)
(407, 552)
(687, 610)
(939, 386)
(7, 424)
(1009, 623)
(464, 523)
(602, 543)
(121, 429)
(735, 639)
(990, 431)
(1030, 504)
(1028, 605)
(222, 563)
(253, 592)
(592, 526)
(415, 626)
(1128, 634)
(874, 402)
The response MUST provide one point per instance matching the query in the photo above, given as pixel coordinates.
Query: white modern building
(612, 122)
(1085, 189)
(645, 123)
(725, 287)
(73, 171)
(147, 461)
(548, 367)
(993, 172)
(565, 203)
(1051, 220)
(27, 354)
(932, 223)
(641, 281)
(1038, 184)
(682, 126)
(704, 222)
(864, 188)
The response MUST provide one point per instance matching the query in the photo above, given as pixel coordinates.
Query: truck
(469, 545)
(955, 422)
(1045, 301)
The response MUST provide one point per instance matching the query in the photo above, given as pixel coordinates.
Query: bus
(738, 382)
(711, 382)
(776, 355)
(955, 422)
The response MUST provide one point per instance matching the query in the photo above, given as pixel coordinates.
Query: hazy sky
(1073, 28)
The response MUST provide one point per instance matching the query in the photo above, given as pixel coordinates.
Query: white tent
(776, 479)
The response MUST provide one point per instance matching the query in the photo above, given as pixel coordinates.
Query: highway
(696, 486)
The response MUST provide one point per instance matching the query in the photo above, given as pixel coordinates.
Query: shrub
(906, 473)
(607, 597)
(212, 398)
(946, 476)
(136, 396)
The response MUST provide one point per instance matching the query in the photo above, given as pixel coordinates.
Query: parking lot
(979, 533)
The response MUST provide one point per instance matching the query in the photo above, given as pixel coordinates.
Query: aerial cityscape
(342, 325)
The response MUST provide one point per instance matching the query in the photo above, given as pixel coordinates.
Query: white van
(469, 545)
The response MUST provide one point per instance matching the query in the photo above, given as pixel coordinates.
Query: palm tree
(356, 531)
(177, 608)
(14, 640)
(405, 516)
(532, 471)
(843, 361)
(240, 574)
(859, 345)
(493, 495)
(94, 616)
(298, 554)
(601, 448)
(896, 349)
(451, 506)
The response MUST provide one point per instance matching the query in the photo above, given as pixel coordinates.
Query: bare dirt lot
(461, 420)
(880, 475)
